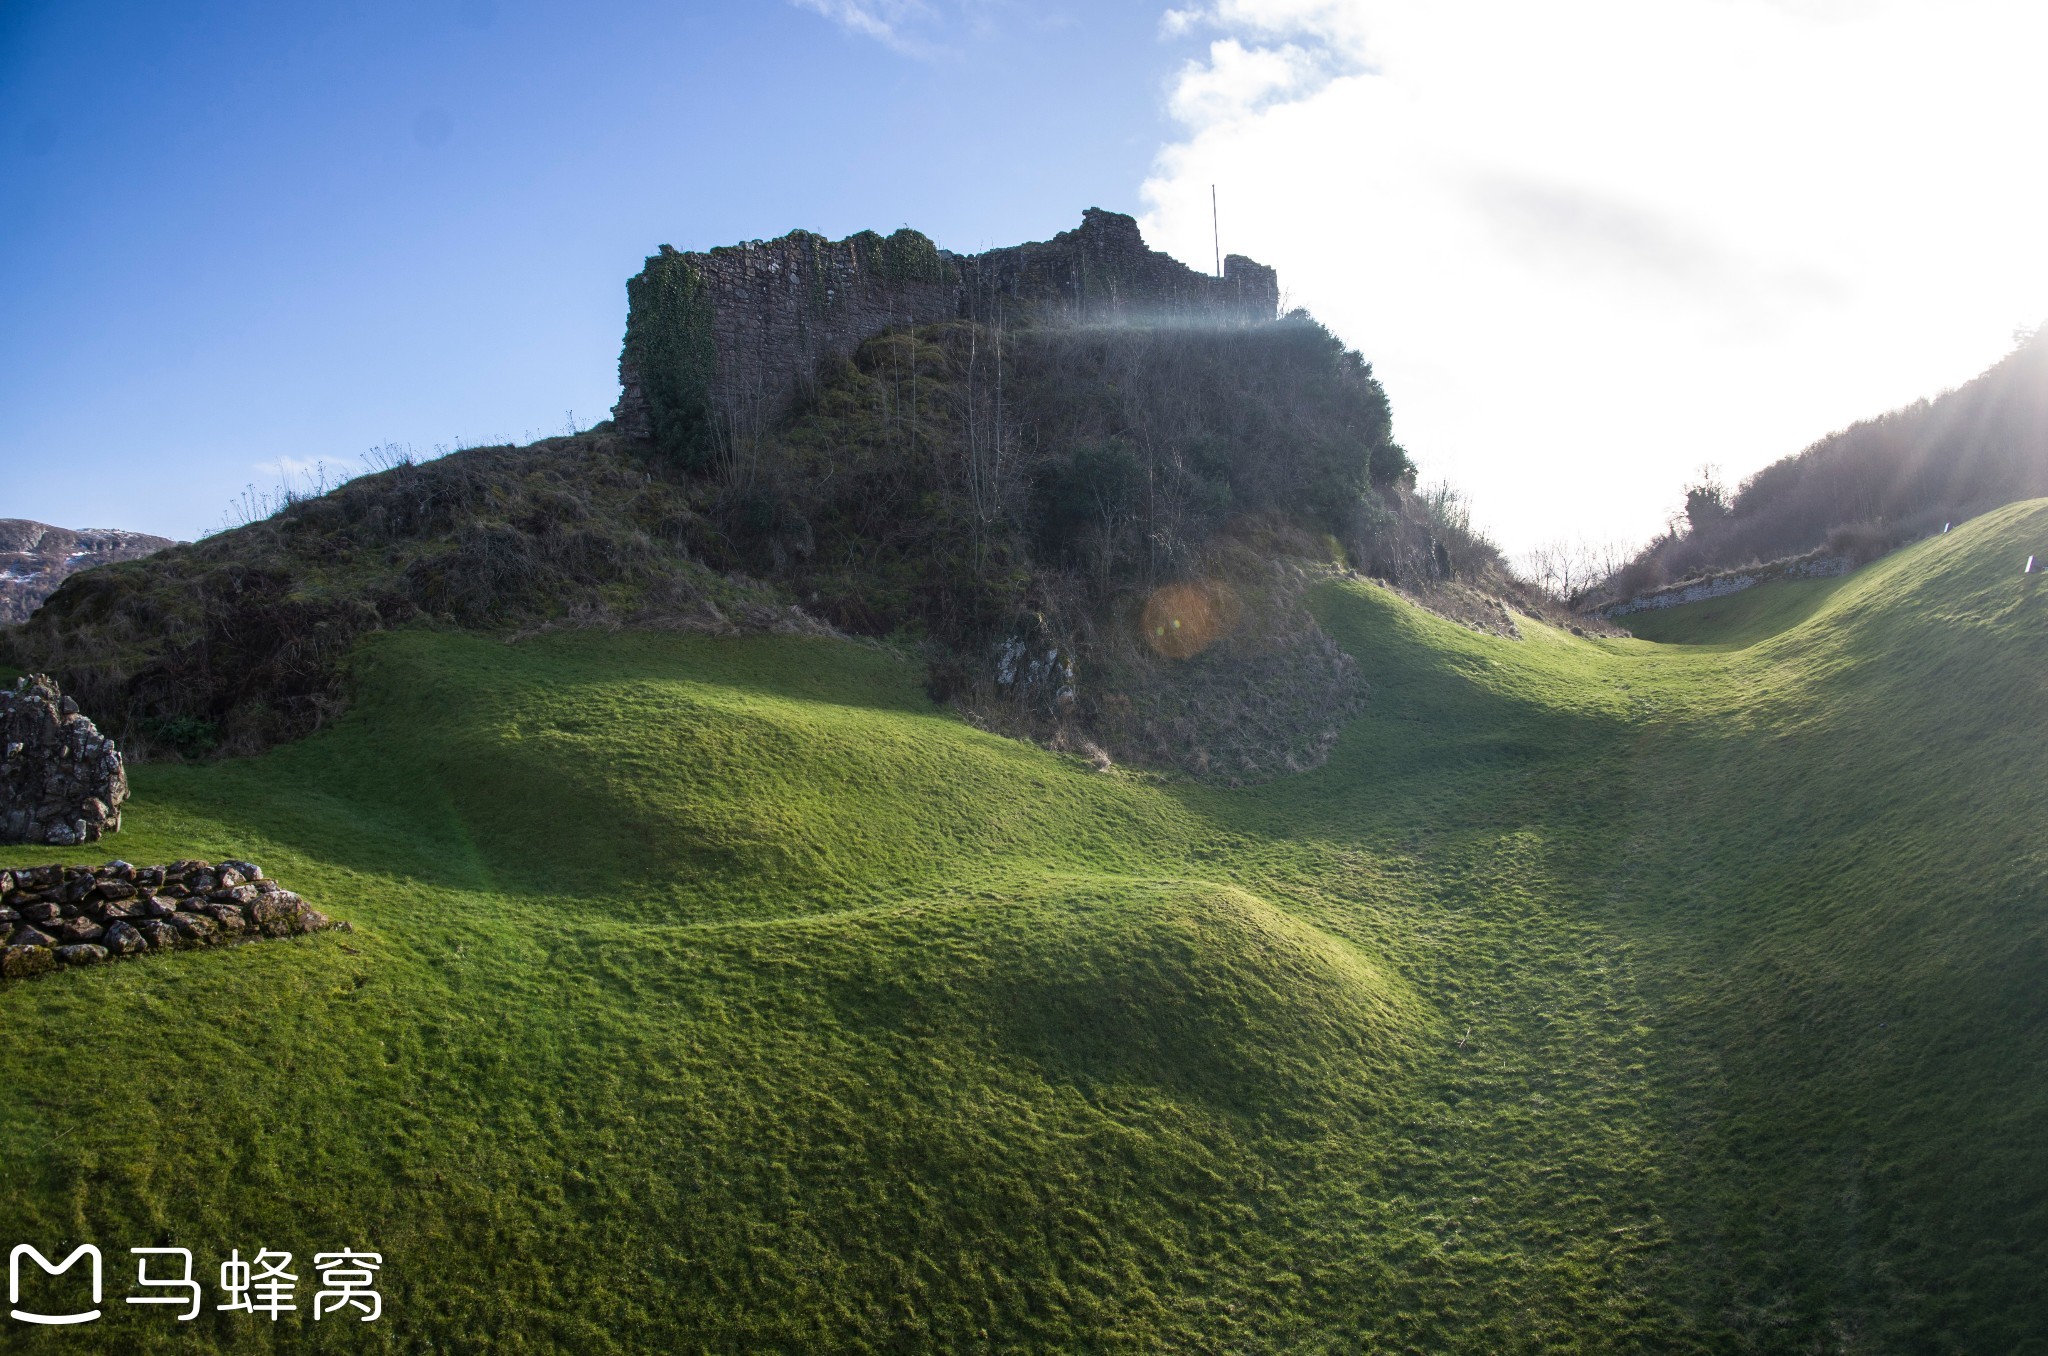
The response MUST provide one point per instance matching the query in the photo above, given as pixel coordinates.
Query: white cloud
(1337, 23)
(889, 22)
(1236, 81)
(289, 469)
(1591, 244)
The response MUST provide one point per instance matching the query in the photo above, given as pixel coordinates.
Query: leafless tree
(989, 438)
(1568, 569)
(739, 428)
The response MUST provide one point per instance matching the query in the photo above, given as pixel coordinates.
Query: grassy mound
(725, 994)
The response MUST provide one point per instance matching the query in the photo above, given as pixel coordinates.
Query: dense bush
(1211, 423)
(950, 478)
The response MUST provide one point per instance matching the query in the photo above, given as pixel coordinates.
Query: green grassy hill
(1686, 993)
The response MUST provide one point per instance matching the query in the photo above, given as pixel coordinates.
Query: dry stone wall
(1814, 565)
(61, 780)
(88, 915)
(777, 307)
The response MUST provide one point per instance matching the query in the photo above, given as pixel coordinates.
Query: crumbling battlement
(731, 333)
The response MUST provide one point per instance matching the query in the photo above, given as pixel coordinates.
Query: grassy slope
(725, 995)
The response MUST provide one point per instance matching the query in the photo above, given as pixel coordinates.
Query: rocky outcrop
(35, 558)
(61, 780)
(1227, 678)
(55, 916)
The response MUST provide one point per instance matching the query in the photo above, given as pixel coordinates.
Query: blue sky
(1589, 245)
(239, 233)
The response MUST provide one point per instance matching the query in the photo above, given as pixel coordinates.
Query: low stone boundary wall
(1818, 565)
(87, 915)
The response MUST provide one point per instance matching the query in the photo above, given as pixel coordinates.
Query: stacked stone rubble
(86, 915)
(61, 780)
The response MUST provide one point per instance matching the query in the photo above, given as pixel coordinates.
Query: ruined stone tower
(731, 333)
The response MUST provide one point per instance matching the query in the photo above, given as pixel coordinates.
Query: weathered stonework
(61, 780)
(1814, 565)
(86, 915)
(777, 307)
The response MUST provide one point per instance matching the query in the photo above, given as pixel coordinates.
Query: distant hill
(1872, 486)
(36, 557)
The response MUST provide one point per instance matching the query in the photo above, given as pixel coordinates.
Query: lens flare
(1182, 620)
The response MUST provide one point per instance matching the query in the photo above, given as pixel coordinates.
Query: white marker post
(2030, 566)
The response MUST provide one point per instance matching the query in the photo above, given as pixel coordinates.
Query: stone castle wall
(1104, 273)
(777, 307)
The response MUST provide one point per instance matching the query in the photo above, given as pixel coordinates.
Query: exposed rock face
(35, 558)
(772, 309)
(186, 904)
(61, 780)
(1228, 680)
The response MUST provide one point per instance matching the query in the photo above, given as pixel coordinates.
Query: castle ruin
(731, 333)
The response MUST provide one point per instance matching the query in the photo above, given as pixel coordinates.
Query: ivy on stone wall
(910, 256)
(670, 346)
(869, 252)
(815, 268)
(905, 256)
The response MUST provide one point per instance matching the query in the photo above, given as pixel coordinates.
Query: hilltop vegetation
(1870, 487)
(974, 491)
(1051, 468)
(726, 994)
(244, 638)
